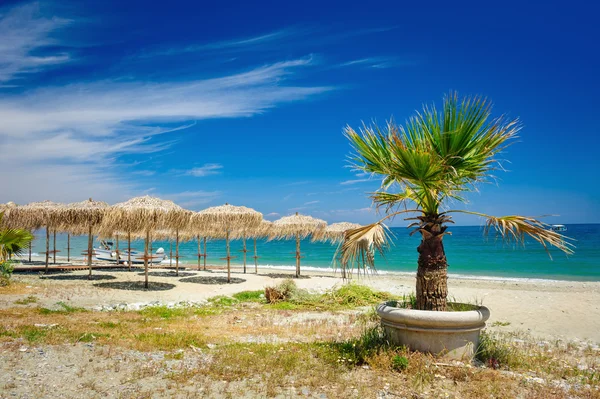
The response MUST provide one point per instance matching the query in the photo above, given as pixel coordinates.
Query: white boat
(106, 252)
(558, 227)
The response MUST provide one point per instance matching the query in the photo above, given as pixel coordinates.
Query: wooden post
(170, 253)
(30, 250)
(129, 250)
(90, 250)
(177, 252)
(54, 249)
(146, 258)
(297, 255)
(255, 258)
(151, 261)
(69, 247)
(117, 250)
(244, 250)
(204, 253)
(47, 247)
(198, 242)
(228, 257)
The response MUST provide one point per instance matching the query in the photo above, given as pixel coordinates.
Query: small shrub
(282, 292)
(6, 271)
(399, 363)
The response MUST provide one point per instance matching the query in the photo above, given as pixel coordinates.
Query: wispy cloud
(272, 215)
(355, 181)
(311, 202)
(297, 183)
(380, 62)
(191, 199)
(298, 208)
(24, 34)
(81, 130)
(208, 169)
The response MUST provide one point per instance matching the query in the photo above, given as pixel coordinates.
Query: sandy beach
(545, 308)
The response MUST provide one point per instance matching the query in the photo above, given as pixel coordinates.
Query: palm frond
(360, 245)
(516, 228)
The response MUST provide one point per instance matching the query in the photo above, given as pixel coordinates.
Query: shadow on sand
(283, 275)
(168, 274)
(136, 286)
(80, 277)
(211, 280)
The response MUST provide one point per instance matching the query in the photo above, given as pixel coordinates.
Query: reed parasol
(227, 218)
(86, 214)
(35, 215)
(146, 214)
(296, 226)
(263, 230)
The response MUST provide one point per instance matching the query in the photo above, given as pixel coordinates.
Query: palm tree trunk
(90, 250)
(432, 274)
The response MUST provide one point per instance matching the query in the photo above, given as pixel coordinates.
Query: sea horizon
(470, 254)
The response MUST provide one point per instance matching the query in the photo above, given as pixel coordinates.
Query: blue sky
(245, 103)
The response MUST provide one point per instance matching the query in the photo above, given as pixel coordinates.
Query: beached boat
(106, 252)
(559, 227)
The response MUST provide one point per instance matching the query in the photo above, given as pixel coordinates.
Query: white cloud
(380, 62)
(60, 141)
(23, 32)
(311, 202)
(205, 170)
(347, 182)
(191, 199)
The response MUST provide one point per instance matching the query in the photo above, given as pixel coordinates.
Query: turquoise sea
(469, 253)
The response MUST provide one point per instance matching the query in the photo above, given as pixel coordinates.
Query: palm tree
(425, 165)
(13, 241)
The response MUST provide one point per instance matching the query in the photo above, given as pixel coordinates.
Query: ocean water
(469, 253)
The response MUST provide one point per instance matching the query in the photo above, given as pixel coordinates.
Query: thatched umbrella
(334, 233)
(227, 218)
(9, 217)
(47, 214)
(87, 214)
(146, 214)
(263, 230)
(296, 226)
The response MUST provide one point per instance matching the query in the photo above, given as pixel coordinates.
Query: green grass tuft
(66, 309)
(250, 296)
(26, 301)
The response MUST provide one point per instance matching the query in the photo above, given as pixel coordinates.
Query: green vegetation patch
(63, 309)
(26, 301)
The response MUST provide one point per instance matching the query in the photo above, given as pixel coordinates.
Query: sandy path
(549, 309)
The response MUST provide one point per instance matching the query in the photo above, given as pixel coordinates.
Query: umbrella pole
(30, 250)
(244, 251)
(54, 249)
(90, 250)
(297, 255)
(129, 250)
(170, 253)
(177, 253)
(198, 242)
(151, 263)
(146, 258)
(117, 251)
(204, 253)
(69, 247)
(47, 247)
(255, 258)
(228, 258)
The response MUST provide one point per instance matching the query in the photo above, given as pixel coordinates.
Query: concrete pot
(453, 334)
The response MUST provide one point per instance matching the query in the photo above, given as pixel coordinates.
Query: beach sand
(546, 309)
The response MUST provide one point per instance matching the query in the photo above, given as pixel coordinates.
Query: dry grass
(236, 346)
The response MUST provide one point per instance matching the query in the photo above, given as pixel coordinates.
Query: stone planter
(454, 334)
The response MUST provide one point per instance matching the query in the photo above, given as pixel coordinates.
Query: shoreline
(61, 260)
